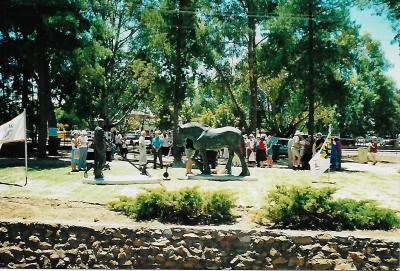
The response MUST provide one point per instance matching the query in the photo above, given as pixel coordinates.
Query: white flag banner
(319, 165)
(14, 130)
(321, 160)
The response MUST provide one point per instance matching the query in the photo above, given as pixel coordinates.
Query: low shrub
(310, 208)
(354, 214)
(219, 205)
(125, 205)
(148, 205)
(185, 206)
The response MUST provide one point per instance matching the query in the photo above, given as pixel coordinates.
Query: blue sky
(380, 29)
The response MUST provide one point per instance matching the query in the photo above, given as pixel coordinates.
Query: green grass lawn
(51, 179)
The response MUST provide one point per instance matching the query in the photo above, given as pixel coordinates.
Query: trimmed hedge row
(294, 207)
(185, 206)
(299, 207)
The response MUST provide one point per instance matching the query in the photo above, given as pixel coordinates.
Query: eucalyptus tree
(170, 37)
(306, 56)
(232, 28)
(108, 61)
(44, 29)
(372, 105)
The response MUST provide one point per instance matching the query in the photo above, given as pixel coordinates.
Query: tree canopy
(272, 65)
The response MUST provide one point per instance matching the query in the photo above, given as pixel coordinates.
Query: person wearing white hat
(373, 149)
(83, 149)
(296, 150)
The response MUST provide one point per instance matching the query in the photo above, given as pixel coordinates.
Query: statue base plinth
(220, 177)
(127, 179)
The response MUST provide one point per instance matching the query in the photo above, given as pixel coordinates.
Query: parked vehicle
(132, 138)
(283, 148)
(360, 141)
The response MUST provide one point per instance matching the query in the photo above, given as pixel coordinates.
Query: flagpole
(26, 151)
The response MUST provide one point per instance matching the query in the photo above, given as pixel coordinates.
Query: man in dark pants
(307, 155)
(157, 144)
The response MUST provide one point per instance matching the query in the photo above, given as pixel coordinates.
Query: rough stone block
(273, 252)
(375, 260)
(303, 240)
(341, 264)
(391, 261)
(279, 261)
(324, 237)
(5, 255)
(357, 257)
(191, 236)
(321, 264)
(45, 246)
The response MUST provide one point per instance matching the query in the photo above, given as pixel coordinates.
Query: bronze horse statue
(205, 138)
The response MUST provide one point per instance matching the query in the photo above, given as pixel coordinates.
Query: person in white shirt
(142, 149)
(296, 150)
(83, 149)
(166, 145)
(118, 141)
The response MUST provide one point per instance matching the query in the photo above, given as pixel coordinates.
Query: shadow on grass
(351, 171)
(12, 184)
(34, 164)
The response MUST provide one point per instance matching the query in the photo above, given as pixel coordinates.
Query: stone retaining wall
(32, 245)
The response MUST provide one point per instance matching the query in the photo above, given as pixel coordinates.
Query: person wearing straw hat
(373, 149)
(83, 149)
(295, 149)
(74, 151)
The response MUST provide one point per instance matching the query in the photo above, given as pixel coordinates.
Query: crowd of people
(259, 149)
(301, 149)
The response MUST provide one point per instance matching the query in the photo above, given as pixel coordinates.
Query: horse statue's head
(191, 130)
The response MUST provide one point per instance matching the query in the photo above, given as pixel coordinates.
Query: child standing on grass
(83, 149)
(74, 151)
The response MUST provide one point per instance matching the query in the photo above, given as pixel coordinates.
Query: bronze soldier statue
(99, 152)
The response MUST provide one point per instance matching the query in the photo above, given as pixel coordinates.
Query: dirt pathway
(56, 211)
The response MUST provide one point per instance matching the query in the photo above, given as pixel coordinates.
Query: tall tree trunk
(179, 92)
(43, 89)
(251, 24)
(105, 116)
(25, 86)
(310, 85)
